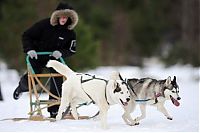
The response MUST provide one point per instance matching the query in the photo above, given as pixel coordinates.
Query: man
(54, 34)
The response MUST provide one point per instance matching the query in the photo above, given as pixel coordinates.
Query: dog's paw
(134, 124)
(137, 123)
(96, 118)
(169, 118)
(76, 117)
(58, 117)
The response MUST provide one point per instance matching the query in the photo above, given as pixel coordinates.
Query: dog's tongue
(125, 103)
(174, 101)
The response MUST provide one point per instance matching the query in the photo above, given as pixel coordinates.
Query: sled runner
(42, 118)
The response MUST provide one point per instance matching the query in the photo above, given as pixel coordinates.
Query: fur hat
(64, 9)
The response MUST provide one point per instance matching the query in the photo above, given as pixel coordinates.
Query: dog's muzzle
(125, 103)
(174, 101)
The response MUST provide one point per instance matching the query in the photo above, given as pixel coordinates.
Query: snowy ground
(185, 117)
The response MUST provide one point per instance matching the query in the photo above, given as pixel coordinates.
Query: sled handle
(40, 53)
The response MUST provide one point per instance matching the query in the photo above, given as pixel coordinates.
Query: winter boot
(53, 114)
(17, 93)
(22, 87)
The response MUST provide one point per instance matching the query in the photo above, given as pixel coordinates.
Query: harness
(130, 87)
(92, 78)
(146, 100)
(156, 95)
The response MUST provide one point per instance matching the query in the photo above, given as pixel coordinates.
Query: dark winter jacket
(47, 35)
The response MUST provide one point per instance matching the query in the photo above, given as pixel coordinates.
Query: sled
(37, 105)
(42, 118)
(35, 118)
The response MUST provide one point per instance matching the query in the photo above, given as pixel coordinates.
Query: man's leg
(23, 83)
(55, 88)
(22, 87)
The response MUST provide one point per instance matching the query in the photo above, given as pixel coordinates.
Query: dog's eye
(173, 91)
(177, 91)
(121, 92)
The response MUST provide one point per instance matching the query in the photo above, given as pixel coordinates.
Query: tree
(87, 55)
(16, 15)
(113, 32)
(190, 36)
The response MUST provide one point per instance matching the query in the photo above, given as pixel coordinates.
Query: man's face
(63, 20)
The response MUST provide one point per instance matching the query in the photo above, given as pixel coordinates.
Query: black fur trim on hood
(64, 10)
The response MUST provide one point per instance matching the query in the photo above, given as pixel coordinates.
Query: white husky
(80, 88)
(148, 91)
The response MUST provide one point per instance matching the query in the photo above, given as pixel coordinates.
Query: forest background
(111, 32)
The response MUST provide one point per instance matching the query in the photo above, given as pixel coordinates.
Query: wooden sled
(42, 118)
(79, 117)
(36, 104)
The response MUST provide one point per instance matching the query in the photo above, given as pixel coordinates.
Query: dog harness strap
(130, 86)
(106, 96)
(145, 100)
(66, 111)
(86, 92)
(95, 115)
(93, 77)
(142, 100)
(86, 80)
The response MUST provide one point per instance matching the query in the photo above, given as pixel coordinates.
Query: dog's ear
(174, 80)
(115, 75)
(168, 81)
(111, 84)
(117, 88)
(120, 77)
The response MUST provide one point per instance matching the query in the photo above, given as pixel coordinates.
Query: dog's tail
(60, 68)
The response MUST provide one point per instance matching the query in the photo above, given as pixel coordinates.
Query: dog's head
(119, 91)
(171, 90)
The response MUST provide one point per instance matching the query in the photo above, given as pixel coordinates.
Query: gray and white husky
(148, 91)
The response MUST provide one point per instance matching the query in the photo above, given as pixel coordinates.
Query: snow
(185, 117)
